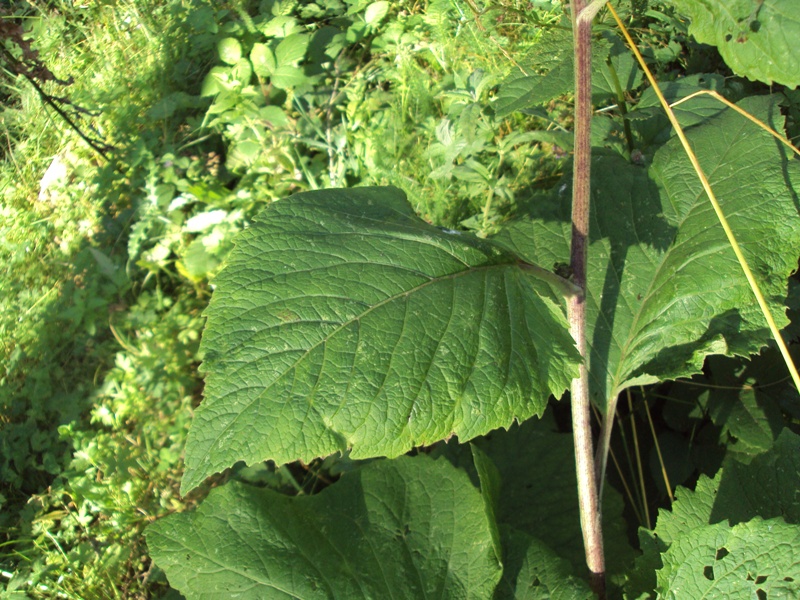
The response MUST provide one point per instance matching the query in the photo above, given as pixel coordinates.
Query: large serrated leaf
(756, 39)
(664, 287)
(765, 488)
(757, 559)
(344, 321)
(406, 528)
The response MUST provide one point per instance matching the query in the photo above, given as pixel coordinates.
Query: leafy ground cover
(201, 115)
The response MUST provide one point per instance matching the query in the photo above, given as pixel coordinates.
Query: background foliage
(208, 112)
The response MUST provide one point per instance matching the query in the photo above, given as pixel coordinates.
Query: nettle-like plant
(342, 323)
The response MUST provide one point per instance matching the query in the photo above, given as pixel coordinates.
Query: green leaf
(215, 81)
(664, 287)
(756, 39)
(757, 559)
(280, 27)
(651, 122)
(548, 72)
(344, 321)
(743, 398)
(376, 12)
(292, 50)
(263, 60)
(766, 488)
(406, 528)
(553, 55)
(197, 261)
(536, 468)
(287, 78)
(620, 70)
(532, 571)
(230, 50)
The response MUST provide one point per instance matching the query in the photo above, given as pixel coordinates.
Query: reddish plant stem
(581, 404)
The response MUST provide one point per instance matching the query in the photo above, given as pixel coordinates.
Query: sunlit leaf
(344, 321)
(665, 289)
(757, 39)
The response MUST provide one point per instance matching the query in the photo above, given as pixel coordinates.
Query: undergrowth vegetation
(141, 136)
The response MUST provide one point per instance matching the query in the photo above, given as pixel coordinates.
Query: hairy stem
(581, 404)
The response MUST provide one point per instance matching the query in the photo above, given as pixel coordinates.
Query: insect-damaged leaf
(756, 39)
(732, 535)
(344, 321)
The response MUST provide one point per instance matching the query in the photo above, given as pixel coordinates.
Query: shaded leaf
(743, 397)
(536, 494)
(532, 571)
(406, 528)
(344, 321)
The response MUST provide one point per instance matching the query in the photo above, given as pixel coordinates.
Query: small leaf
(215, 81)
(344, 321)
(230, 50)
(197, 261)
(406, 528)
(263, 60)
(292, 50)
(274, 115)
(287, 78)
(621, 68)
(376, 12)
(280, 27)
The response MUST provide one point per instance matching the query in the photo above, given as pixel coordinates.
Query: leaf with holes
(757, 39)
